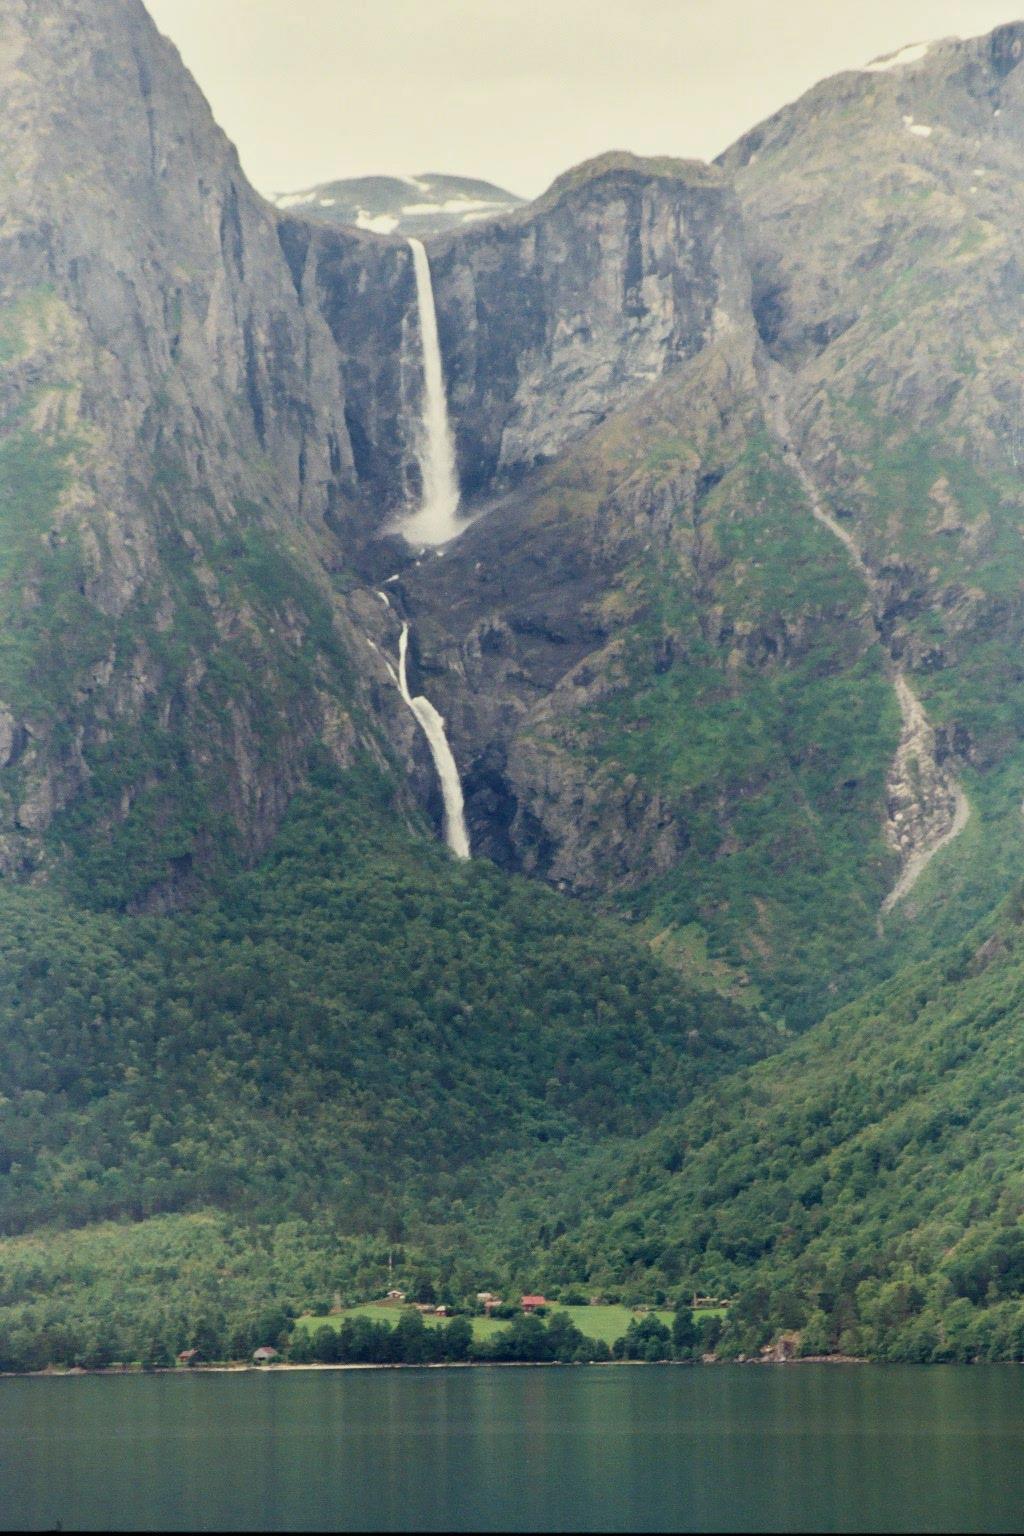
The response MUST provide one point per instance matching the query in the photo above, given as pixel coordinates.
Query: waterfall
(436, 521)
(455, 833)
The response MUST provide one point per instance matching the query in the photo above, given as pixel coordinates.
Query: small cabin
(189, 1357)
(531, 1303)
(396, 1295)
(265, 1355)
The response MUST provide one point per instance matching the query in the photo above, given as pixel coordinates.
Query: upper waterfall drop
(436, 521)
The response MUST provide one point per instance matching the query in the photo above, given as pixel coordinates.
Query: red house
(531, 1303)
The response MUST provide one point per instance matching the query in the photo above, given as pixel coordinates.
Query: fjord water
(806, 1448)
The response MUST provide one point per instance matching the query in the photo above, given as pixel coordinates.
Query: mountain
(866, 1189)
(727, 655)
(803, 543)
(404, 205)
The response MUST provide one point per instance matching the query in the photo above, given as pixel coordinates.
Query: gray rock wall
(555, 316)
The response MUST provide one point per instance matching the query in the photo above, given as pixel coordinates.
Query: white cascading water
(436, 521)
(455, 833)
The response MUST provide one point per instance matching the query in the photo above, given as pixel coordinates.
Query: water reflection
(808, 1448)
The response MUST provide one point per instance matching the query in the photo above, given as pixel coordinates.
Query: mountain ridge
(730, 640)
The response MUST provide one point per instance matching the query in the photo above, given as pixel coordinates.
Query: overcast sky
(517, 90)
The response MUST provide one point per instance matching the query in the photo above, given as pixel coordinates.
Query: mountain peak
(624, 164)
(427, 204)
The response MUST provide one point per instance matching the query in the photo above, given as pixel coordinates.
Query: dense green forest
(865, 1186)
(359, 1044)
(366, 1060)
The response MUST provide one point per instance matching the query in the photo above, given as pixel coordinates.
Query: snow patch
(908, 55)
(328, 202)
(921, 129)
(452, 205)
(379, 224)
(293, 199)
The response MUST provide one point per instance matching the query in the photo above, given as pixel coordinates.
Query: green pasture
(605, 1322)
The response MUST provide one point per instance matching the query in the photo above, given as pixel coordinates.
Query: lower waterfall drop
(456, 834)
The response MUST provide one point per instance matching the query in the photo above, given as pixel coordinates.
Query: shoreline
(243, 1368)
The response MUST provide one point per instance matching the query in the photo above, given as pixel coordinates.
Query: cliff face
(883, 212)
(739, 515)
(555, 316)
(173, 436)
(550, 318)
(210, 407)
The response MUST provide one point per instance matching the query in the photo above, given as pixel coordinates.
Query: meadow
(605, 1323)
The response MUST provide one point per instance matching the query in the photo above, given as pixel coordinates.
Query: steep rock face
(359, 294)
(555, 316)
(550, 318)
(883, 212)
(665, 690)
(174, 437)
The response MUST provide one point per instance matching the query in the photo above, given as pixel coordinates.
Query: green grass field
(608, 1323)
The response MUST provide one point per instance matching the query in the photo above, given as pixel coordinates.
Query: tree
(156, 1355)
(684, 1333)
(412, 1340)
(525, 1339)
(709, 1331)
(565, 1340)
(326, 1345)
(646, 1338)
(457, 1339)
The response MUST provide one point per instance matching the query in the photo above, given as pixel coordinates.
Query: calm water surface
(807, 1448)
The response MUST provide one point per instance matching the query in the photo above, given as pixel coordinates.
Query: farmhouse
(531, 1303)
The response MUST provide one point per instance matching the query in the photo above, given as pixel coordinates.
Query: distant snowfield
(294, 199)
(909, 55)
(452, 205)
(378, 224)
(920, 129)
(382, 204)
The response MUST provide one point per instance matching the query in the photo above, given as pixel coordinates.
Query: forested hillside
(865, 1186)
(718, 672)
(361, 1043)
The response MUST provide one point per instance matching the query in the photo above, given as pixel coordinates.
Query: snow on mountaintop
(908, 55)
(382, 204)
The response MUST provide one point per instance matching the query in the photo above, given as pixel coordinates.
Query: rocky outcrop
(925, 805)
(174, 425)
(557, 315)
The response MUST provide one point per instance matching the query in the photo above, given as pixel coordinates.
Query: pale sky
(516, 91)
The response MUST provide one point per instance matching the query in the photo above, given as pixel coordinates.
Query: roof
(265, 1352)
(534, 1301)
